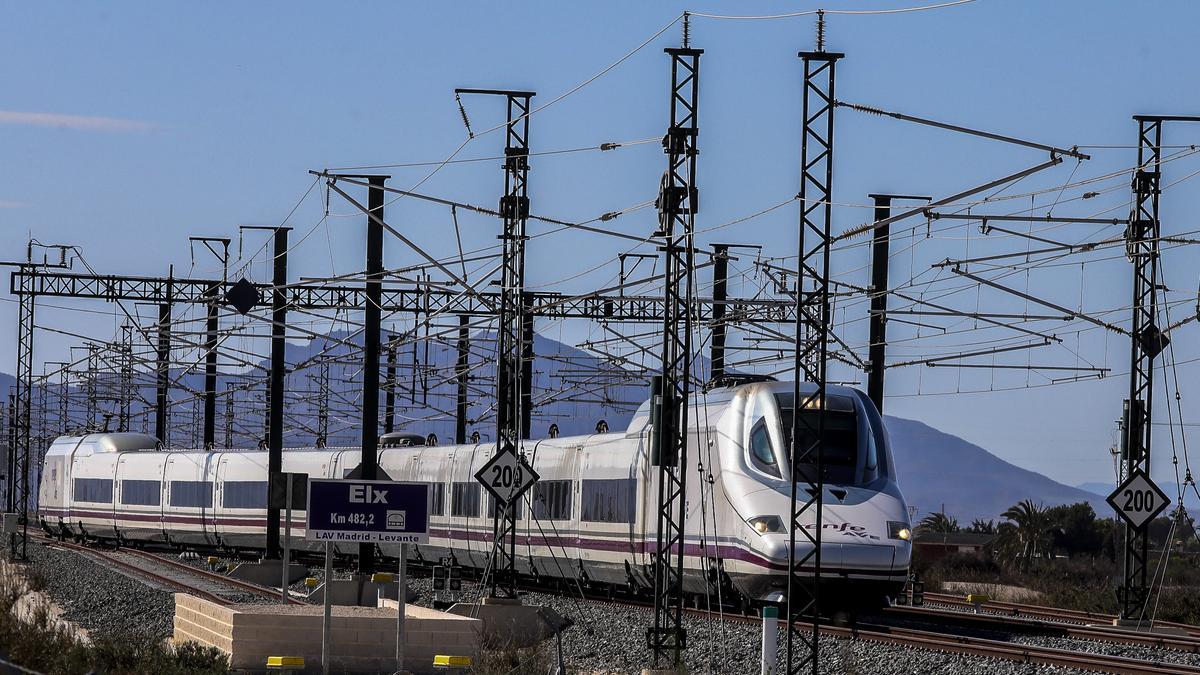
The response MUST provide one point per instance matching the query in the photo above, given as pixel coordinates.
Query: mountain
(573, 389)
(940, 471)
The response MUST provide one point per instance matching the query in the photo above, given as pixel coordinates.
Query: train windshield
(841, 446)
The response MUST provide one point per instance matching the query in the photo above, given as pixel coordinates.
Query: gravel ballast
(606, 638)
(100, 600)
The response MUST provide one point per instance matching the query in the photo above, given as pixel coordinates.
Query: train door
(647, 524)
(112, 506)
(608, 529)
(220, 474)
(91, 490)
(139, 495)
(189, 495)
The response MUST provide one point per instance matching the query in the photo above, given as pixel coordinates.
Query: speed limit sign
(1138, 500)
(506, 475)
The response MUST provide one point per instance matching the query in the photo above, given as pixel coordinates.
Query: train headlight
(898, 529)
(767, 524)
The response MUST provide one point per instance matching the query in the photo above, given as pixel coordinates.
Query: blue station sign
(368, 511)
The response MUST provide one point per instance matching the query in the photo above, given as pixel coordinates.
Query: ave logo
(364, 494)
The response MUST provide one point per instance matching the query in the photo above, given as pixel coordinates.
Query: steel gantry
(1147, 341)
(29, 282)
(812, 336)
(677, 203)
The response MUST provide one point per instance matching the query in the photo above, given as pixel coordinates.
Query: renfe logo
(363, 494)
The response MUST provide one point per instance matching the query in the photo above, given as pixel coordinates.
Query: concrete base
(363, 638)
(664, 671)
(509, 624)
(359, 592)
(268, 572)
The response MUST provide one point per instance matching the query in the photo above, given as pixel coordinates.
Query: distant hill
(939, 469)
(573, 389)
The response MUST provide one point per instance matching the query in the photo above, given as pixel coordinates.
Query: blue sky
(190, 119)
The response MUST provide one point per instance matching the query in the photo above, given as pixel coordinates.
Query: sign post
(327, 621)
(507, 476)
(1138, 500)
(281, 494)
(367, 512)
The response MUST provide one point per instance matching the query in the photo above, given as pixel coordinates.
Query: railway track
(166, 572)
(1017, 618)
(960, 644)
(1037, 626)
(1017, 609)
(955, 643)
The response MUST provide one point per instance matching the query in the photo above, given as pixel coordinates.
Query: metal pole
(327, 621)
(461, 367)
(275, 390)
(677, 203)
(526, 368)
(372, 322)
(812, 356)
(400, 604)
(212, 324)
(879, 288)
(389, 392)
(719, 295)
(162, 368)
(287, 542)
(511, 328)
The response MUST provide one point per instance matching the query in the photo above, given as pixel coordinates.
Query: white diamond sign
(506, 475)
(1138, 500)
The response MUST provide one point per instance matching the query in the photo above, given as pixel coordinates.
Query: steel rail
(160, 579)
(1043, 626)
(109, 557)
(959, 644)
(246, 586)
(1054, 613)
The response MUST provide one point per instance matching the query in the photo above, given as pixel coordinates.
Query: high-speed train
(591, 516)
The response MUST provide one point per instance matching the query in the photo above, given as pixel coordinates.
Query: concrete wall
(364, 638)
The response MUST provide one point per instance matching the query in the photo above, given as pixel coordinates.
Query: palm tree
(1028, 529)
(938, 522)
(981, 526)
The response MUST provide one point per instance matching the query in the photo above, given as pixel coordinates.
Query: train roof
(714, 400)
(117, 441)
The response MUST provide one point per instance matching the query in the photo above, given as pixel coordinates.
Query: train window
(196, 494)
(246, 494)
(840, 447)
(608, 500)
(552, 499)
(762, 455)
(438, 507)
(95, 490)
(520, 507)
(141, 492)
(464, 499)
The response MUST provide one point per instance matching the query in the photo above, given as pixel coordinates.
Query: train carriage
(592, 516)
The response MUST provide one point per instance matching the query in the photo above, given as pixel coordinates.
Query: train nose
(835, 555)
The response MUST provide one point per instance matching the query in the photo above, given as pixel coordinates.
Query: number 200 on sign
(506, 476)
(1138, 500)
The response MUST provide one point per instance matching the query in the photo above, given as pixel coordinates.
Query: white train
(592, 515)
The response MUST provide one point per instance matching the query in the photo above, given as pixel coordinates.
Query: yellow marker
(977, 599)
(285, 662)
(213, 560)
(440, 661)
(381, 578)
(311, 582)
